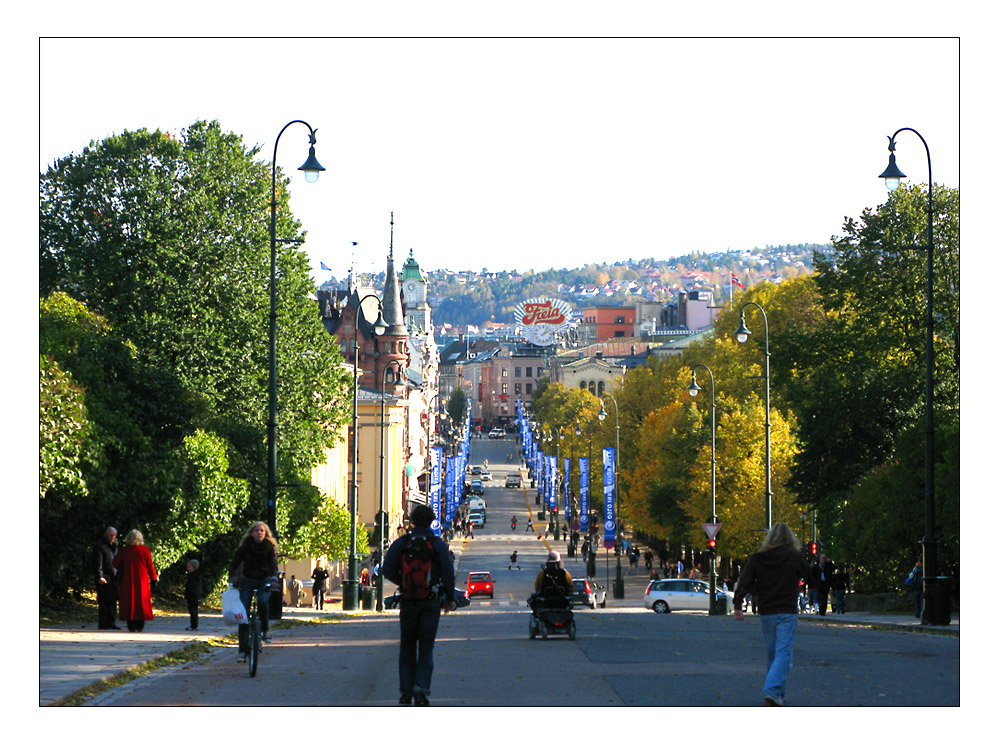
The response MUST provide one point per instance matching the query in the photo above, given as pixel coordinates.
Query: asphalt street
(623, 655)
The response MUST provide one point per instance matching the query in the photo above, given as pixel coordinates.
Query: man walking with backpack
(419, 563)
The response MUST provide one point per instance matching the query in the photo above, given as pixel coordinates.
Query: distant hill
(475, 297)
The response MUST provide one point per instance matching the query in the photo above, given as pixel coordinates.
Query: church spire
(392, 309)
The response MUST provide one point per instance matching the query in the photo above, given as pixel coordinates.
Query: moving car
(497, 433)
(480, 584)
(478, 518)
(486, 475)
(513, 479)
(669, 594)
(476, 488)
(589, 593)
(476, 470)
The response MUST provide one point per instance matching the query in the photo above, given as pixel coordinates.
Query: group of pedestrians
(825, 577)
(125, 578)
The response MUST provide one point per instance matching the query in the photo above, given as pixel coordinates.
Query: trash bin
(367, 597)
(274, 602)
(937, 607)
(618, 588)
(541, 515)
(591, 564)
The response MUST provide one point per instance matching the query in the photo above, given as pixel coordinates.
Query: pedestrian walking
(824, 582)
(513, 560)
(773, 574)
(840, 589)
(294, 591)
(320, 577)
(106, 580)
(420, 564)
(192, 592)
(138, 577)
(915, 582)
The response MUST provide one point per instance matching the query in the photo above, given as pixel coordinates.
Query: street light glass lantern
(742, 333)
(602, 414)
(694, 389)
(380, 324)
(892, 175)
(312, 167)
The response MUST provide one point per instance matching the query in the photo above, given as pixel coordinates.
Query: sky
(527, 154)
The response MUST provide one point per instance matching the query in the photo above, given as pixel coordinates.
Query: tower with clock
(418, 312)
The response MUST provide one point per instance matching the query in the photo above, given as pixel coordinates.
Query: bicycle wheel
(253, 647)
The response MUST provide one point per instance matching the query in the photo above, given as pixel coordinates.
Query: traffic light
(711, 547)
(813, 547)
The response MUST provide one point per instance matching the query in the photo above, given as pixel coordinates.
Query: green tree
(457, 404)
(63, 428)
(167, 241)
(328, 533)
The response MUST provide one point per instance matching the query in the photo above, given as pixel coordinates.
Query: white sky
(534, 153)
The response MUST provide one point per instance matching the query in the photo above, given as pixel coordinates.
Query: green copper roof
(411, 269)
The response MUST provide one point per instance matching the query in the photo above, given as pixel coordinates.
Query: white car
(669, 594)
(497, 434)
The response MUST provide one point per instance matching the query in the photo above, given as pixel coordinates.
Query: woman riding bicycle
(254, 566)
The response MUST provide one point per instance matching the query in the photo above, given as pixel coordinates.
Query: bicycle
(254, 635)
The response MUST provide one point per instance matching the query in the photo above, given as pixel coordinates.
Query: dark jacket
(259, 560)
(392, 569)
(772, 576)
(104, 555)
(192, 587)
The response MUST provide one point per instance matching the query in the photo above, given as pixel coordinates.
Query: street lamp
(619, 590)
(742, 334)
(351, 583)
(311, 168)
(381, 521)
(936, 605)
(694, 389)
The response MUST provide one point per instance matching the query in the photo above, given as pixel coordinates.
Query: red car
(480, 583)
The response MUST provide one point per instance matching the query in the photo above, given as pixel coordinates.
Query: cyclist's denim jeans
(779, 634)
(418, 624)
(247, 585)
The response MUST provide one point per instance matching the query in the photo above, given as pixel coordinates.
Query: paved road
(623, 656)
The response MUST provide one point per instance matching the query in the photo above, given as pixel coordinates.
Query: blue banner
(609, 498)
(584, 495)
(434, 495)
(566, 502)
(553, 489)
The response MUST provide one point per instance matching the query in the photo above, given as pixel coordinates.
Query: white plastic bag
(233, 611)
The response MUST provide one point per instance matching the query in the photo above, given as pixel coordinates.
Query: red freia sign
(542, 312)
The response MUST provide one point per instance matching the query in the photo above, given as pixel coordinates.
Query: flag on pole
(737, 281)
(324, 267)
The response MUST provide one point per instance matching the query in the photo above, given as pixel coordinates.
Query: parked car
(476, 488)
(589, 593)
(513, 479)
(392, 602)
(669, 594)
(480, 584)
(497, 433)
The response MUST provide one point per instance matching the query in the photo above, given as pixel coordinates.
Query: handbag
(233, 611)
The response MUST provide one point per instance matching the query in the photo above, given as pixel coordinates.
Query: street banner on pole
(584, 495)
(566, 493)
(435, 489)
(609, 498)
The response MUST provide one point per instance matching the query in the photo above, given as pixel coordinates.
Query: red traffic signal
(711, 546)
(813, 548)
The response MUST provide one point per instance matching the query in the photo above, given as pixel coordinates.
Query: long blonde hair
(780, 535)
(267, 534)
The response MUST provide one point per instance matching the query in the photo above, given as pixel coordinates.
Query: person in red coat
(135, 566)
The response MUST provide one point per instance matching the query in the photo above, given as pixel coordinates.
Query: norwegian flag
(737, 281)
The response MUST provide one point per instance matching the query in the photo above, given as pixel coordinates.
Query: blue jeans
(247, 585)
(418, 624)
(779, 635)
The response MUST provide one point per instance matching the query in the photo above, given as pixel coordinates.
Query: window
(517, 372)
(527, 389)
(503, 388)
(517, 389)
(503, 372)
(527, 374)
(583, 384)
(676, 585)
(619, 319)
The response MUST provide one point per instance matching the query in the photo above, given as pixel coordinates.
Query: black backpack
(421, 578)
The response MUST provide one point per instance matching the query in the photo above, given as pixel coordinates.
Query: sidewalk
(72, 657)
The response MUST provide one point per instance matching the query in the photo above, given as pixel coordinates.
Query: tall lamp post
(381, 522)
(694, 389)
(619, 590)
(351, 584)
(311, 169)
(936, 605)
(742, 334)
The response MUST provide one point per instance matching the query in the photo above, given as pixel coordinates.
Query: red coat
(135, 565)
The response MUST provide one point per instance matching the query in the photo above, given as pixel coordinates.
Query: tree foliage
(155, 250)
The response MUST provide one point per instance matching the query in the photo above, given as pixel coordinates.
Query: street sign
(711, 529)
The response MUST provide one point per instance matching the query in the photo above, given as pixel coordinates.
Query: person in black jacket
(773, 573)
(418, 619)
(192, 592)
(106, 580)
(823, 574)
(254, 565)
